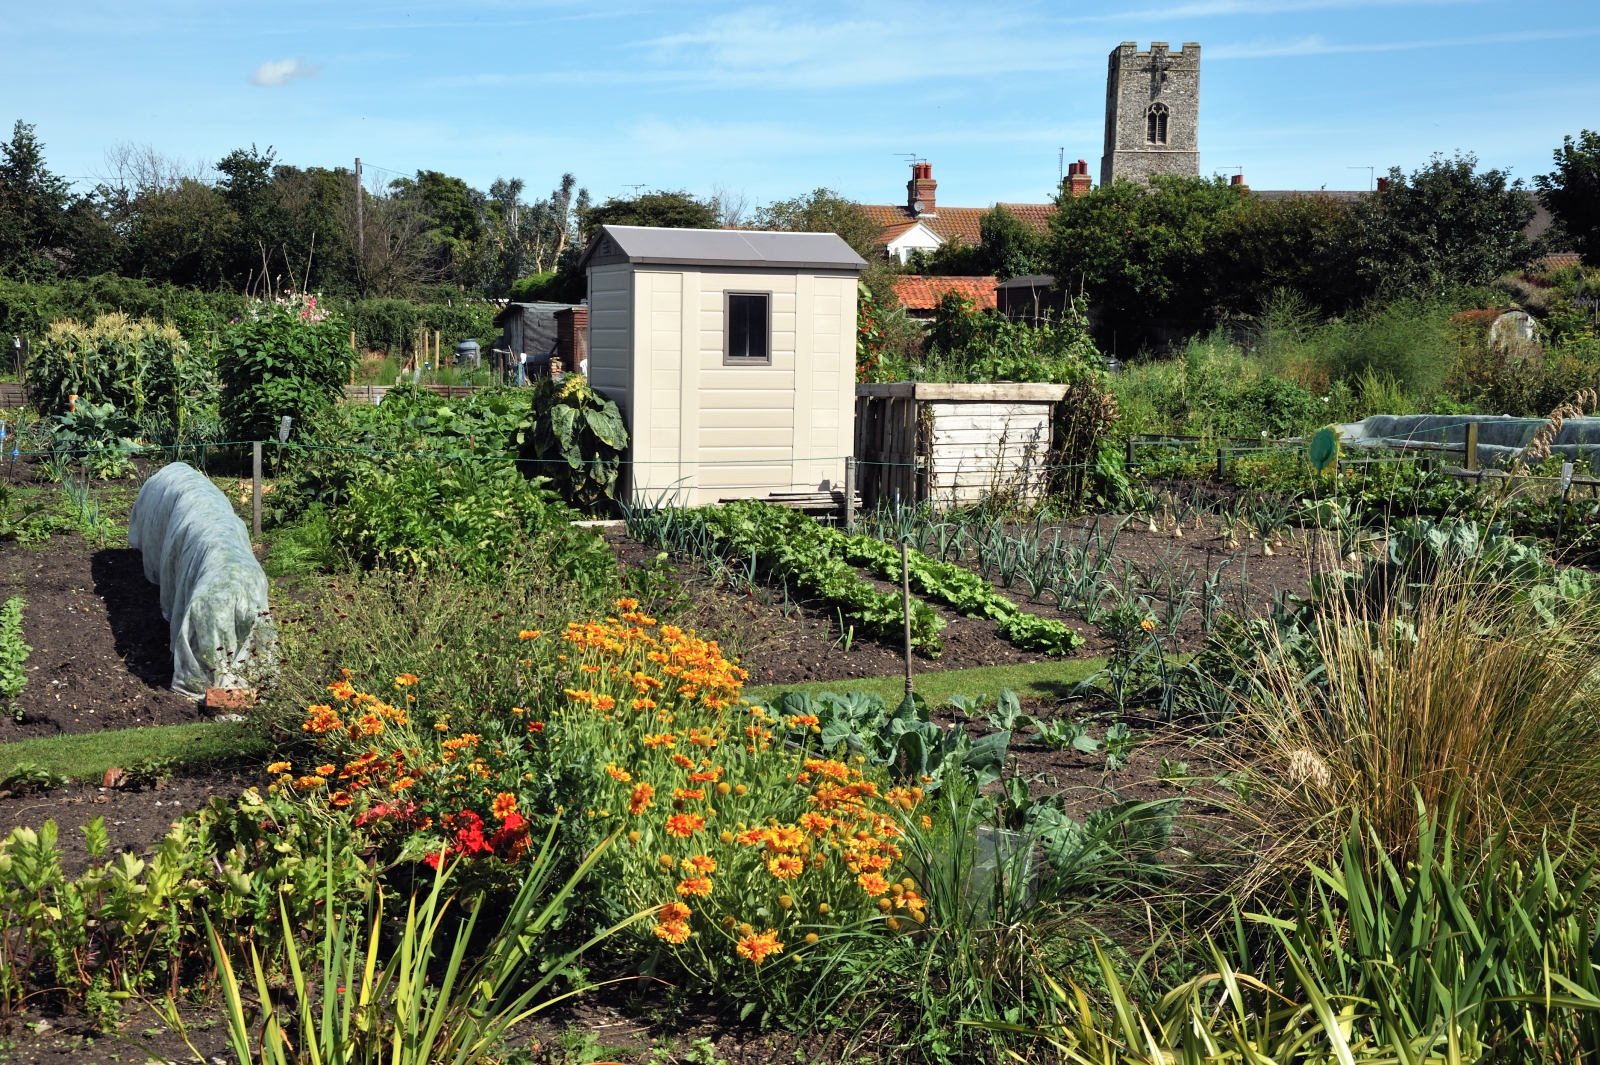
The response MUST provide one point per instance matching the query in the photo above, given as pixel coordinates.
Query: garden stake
(905, 602)
(850, 495)
(255, 489)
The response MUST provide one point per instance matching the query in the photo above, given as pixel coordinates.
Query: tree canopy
(1572, 193)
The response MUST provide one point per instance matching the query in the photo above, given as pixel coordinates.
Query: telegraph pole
(361, 232)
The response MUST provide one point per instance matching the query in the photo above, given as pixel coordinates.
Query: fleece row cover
(213, 591)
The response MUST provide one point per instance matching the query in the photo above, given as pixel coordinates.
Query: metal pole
(1472, 446)
(361, 233)
(255, 489)
(1222, 465)
(905, 603)
(850, 495)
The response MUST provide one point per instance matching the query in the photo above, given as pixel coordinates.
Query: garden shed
(953, 443)
(731, 354)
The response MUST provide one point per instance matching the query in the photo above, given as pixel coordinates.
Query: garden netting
(1500, 437)
(213, 591)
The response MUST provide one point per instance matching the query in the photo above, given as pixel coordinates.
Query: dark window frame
(728, 357)
(1155, 119)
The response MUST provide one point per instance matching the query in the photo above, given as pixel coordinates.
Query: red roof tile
(922, 292)
(955, 223)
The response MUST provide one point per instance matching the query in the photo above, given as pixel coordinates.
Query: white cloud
(282, 72)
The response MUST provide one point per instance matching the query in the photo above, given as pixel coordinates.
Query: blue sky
(773, 100)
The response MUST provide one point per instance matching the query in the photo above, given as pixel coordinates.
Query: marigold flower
(823, 908)
(529, 634)
(873, 883)
(811, 939)
(701, 863)
(695, 885)
(927, 822)
(688, 793)
(405, 680)
(505, 804)
(619, 774)
(757, 947)
(604, 702)
(786, 866)
(278, 767)
(340, 799)
(640, 800)
(341, 689)
(309, 783)
(723, 788)
(786, 901)
(675, 911)
(324, 770)
(536, 726)
(665, 739)
(321, 719)
(683, 826)
(681, 762)
(401, 785)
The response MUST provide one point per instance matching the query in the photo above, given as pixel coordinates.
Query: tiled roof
(922, 292)
(954, 223)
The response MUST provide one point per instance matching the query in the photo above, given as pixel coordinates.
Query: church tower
(1152, 113)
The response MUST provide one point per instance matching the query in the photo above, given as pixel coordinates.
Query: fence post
(255, 489)
(1222, 464)
(850, 494)
(905, 602)
(1128, 461)
(1472, 446)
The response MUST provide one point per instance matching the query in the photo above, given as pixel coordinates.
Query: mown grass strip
(1040, 680)
(87, 757)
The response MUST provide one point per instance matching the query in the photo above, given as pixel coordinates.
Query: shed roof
(720, 247)
(1029, 281)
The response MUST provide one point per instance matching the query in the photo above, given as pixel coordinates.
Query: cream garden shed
(731, 354)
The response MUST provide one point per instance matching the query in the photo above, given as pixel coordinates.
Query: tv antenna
(1371, 173)
(911, 158)
(637, 187)
(1061, 166)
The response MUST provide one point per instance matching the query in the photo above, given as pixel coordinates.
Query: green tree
(1572, 193)
(1446, 226)
(824, 211)
(1293, 245)
(282, 358)
(33, 207)
(1007, 247)
(677, 210)
(1139, 250)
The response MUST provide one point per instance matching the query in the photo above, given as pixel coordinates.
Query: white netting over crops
(212, 588)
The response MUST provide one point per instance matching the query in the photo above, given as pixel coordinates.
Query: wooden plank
(928, 390)
(942, 411)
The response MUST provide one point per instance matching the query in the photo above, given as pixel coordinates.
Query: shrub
(471, 516)
(1277, 408)
(575, 442)
(283, 358)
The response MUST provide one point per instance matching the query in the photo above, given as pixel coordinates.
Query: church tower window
(1155, 124)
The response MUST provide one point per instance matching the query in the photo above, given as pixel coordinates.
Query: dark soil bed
(101, 658)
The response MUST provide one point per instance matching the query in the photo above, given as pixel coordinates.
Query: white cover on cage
(213, 591)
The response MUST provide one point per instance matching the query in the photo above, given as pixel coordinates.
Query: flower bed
(758, 848)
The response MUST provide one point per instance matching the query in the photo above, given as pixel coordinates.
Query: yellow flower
(505, 804)
(811, 939)
(1147, 625)
(278, 767)
(324, 770)
(757, 947)
(405, 680)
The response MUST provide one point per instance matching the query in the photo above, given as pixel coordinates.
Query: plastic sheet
(213, 591)
(1501, 438)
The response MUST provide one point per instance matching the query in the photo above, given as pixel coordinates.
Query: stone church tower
(1152, 113)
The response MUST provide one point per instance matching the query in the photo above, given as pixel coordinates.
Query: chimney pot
(1238, 179)
(1383, 184)
(920, 190)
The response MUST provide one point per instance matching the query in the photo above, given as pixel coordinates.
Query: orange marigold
(873, 883)
(505, 804)
(688, 793)
(324, 770)
(666, 739)
(640, 800)
(672, 931)
(786, 866)
(674, 911)
(320, 719)
(619, 774)
(529, 634)
(703, 864)
(341, 689)
(405, 680)
(278, 767)
(685, 825)
(757, 947)
(695, 885)
(309, 783)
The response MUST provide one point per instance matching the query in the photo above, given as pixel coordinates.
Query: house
(922, 225)
(920, 294)
(731, 354)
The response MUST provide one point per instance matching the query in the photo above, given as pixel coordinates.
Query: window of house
(749, 327)
(1155, 124)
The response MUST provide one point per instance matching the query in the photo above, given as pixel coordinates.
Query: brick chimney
(1237, 183)
(1383, 184)
(1078, 179)
(920, 190)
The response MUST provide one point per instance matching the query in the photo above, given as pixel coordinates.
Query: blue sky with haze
(773, 100)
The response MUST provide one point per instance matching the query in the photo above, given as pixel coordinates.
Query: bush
(285, 357)
(1277, 408)
(469, 516)
(575, 441)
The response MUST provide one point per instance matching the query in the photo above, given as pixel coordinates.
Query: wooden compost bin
(952, 443)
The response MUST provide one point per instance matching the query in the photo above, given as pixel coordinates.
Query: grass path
(1044, 680)
(87, 757)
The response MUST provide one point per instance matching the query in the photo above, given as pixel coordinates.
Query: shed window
(747, 327)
